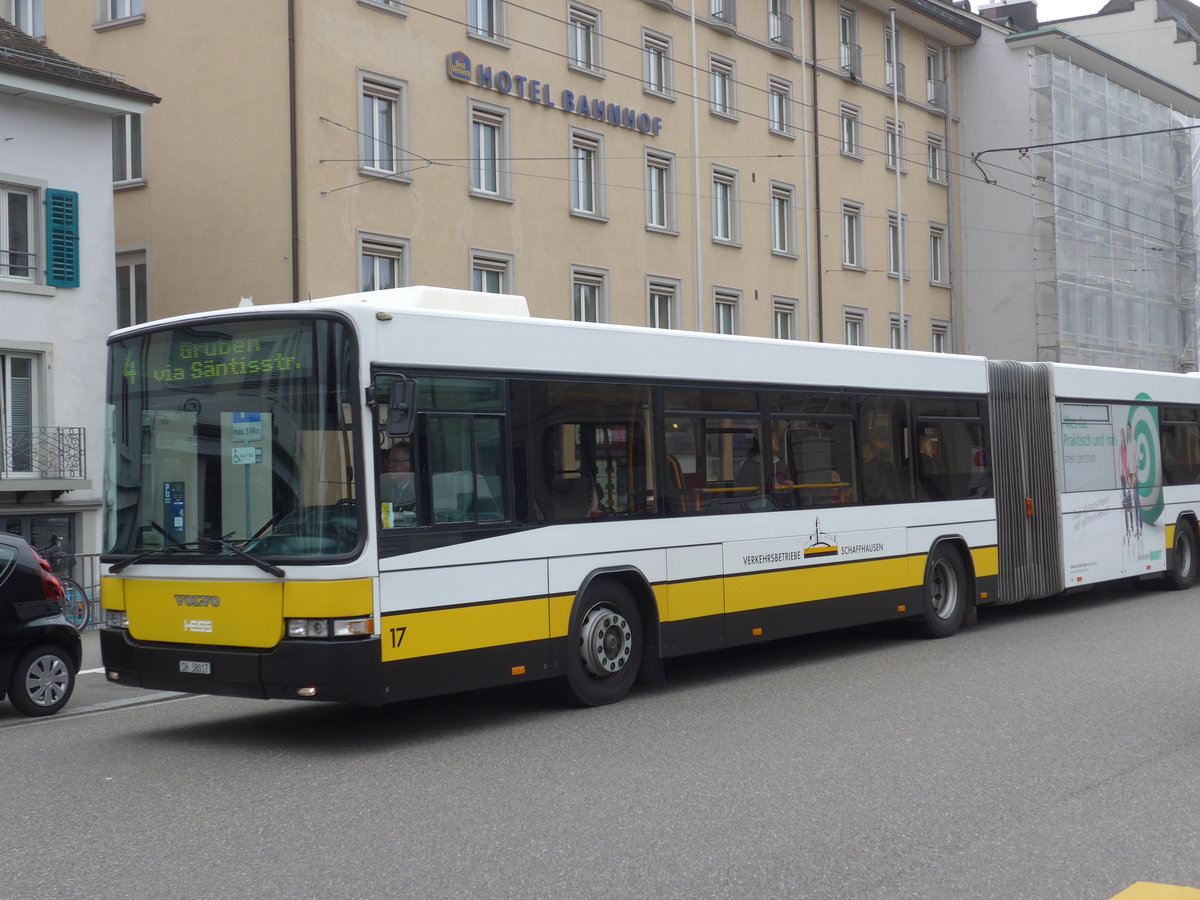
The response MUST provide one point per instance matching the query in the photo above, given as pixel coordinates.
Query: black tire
(42, 681)
(1182, 574)
(944, 603)
(604, 646)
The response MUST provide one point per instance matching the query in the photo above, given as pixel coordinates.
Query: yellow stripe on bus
(986, 560)
(327, 599)
(437, 631)
(770, 589)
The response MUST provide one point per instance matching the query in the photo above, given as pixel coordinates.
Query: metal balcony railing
(44, 451)
(851, 58)
(724, 12)
(937, 93)
(779, 27)
(893, 76)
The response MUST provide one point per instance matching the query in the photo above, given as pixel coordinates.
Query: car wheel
(42, 681)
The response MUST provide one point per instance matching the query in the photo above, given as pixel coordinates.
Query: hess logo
(199, 626)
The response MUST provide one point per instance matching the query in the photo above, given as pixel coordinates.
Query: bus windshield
(233, 437)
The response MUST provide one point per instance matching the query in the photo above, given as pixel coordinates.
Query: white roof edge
(425, 297)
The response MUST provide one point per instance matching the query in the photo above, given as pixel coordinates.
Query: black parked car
(39, 651)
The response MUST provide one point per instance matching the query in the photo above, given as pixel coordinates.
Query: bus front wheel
(944, 603)
(1182, 574)
(604, 646)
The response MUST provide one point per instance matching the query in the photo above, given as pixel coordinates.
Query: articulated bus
(409, 492)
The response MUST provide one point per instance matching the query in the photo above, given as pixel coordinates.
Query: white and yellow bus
(410, 492)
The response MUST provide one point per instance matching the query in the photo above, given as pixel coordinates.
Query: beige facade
(706, 184)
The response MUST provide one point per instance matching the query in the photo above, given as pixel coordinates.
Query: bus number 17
(397, 636)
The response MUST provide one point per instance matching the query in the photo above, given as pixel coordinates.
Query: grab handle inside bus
(402, 408)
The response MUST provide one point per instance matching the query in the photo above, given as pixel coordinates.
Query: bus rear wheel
(1182, 574)
(944, 603)
(604, 646)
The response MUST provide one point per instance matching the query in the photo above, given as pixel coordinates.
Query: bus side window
(466, 467)
(885, 470)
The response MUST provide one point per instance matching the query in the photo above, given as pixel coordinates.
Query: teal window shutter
(62, 238)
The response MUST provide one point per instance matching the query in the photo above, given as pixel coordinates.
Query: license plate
(195, 668)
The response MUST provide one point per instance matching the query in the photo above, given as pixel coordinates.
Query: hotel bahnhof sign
(459, 68)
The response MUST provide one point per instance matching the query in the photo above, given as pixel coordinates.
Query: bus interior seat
(573, 498)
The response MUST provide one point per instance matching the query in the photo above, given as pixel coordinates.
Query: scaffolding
(1115, 223)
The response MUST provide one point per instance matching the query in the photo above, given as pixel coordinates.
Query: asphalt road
(1051, 751)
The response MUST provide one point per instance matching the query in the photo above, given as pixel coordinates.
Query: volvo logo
(196, 600)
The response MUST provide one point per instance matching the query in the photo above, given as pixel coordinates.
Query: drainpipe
(293, 138)
(699, 248)
(900, 235)
(817, 266)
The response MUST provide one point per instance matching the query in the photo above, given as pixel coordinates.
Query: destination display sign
(240, 352)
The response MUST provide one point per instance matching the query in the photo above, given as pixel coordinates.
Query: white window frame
(589, 288)
(854, 326)
(658, 71)
(487, 20)
(893, 146)
(853, 248)
(935, 74)
(380, 147)
(783, 219)
(132, 309)
(489, 131)
(850, 136)
(779, 106)
(28, 16)
(893, 58)
(849, 49)
(727, 311)
(660, 191)
(783, 319)
(726, 204)
(32, 252)
(935, 158)
(938, 255)
(383, 252)
(121, 10)
(31, 405)
(662, 302)
(129, 150)
(894, 332)
(897, 245)
(722, 86)
(587, 174)
(939, 337)
(492, 269)
(585, 46)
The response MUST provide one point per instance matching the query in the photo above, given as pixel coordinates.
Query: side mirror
(402, 409)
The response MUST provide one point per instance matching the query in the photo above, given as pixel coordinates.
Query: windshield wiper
(238, 551)
(202, 545)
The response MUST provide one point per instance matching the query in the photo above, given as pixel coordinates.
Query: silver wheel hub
(943, 589)
(46, 680)
(605, 642)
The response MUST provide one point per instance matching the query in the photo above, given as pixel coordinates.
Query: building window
(491, 273)
(725, 205)
(893, 68)
(383, 262)
(779, 23)
(937, 91)
(27, 15)
(854, 327)
(723, 11)
(783, 219)
(897, 230)
(589, 294)
(722, 87)
(133, 291)
(939, 337)
(115, 10)
(583, 38)
(662, 303)
(937, 255)
(128, 149)
(726, 308)
(656, 64)
(779, 106)
(784, 326)
(382, 118)
(849, 50)
(587, 176)
(894, 336)
(485, 19)
(935, 158)
(852, 235)
(489, 148)
(660, 190)
(18, 235)
(20, 404)
(893, 145)
(851, 131)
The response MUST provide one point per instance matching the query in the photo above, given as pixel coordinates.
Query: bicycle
(76, 605)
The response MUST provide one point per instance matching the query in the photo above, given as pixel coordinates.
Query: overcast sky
(1065, 9)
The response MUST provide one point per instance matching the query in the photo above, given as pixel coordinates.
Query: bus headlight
(308, 628)
(353, 627)
(116, 618)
